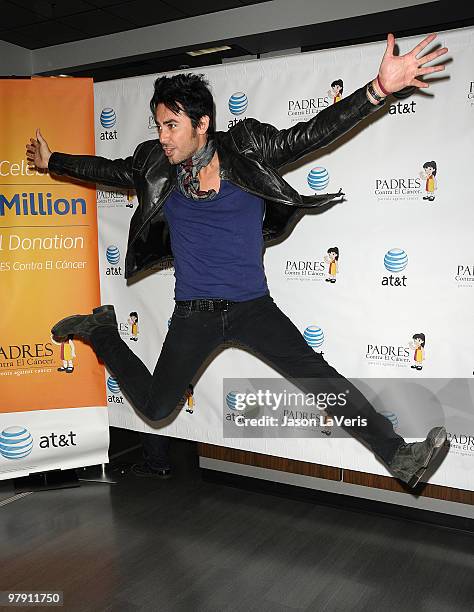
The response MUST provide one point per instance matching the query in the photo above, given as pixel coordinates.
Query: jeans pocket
(182, 311)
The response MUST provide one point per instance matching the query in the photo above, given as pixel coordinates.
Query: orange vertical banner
(48, 249)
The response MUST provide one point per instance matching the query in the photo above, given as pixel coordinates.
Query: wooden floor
(190, 545)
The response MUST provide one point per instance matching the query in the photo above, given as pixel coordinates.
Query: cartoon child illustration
(130, 196)
(68, 353)
(418, 345)
(133, 322)
(333, 267)
(327, 431)
(429, 173)
(190, 399)
(337, 87)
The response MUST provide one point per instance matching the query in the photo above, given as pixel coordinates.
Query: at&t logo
(114, 388)
(237, 404)
(108, 119)
(238, 104)
(231, 401)
(318, 178)
(395, 261)
(314, 336)
(15, 442)
(112, 255)
(402, 108)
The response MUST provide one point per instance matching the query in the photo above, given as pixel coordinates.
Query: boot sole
(105, 308)
(438, 443)
(55, 329)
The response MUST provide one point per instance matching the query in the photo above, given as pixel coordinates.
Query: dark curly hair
(419, 337)
(338, 82)
(431, 164)
(188, 93)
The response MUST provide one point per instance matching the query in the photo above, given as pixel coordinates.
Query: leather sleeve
(93, 169)
(281, 147)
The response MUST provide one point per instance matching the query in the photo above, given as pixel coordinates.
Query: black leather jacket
(250, 155)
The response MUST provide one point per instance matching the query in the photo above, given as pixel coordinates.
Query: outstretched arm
(38, 152)
(281, 147)
(399, 71)
(89, 168)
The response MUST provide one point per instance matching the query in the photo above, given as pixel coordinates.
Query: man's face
(179, 139)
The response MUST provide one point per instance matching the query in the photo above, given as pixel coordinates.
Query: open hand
(38, 152)
(399, 71)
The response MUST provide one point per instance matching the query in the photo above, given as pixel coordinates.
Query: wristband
(382, 88)
(373, 93)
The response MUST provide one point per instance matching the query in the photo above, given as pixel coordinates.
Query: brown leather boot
(411, 460)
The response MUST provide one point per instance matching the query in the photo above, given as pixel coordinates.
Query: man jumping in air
(212, 201)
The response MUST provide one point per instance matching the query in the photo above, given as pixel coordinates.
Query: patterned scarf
(188, 179)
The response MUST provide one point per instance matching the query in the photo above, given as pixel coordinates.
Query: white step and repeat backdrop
(406, 254)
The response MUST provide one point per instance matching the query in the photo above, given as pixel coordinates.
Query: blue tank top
(217, 245)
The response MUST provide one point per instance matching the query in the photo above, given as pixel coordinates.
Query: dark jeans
(156, 450)
(258, 324)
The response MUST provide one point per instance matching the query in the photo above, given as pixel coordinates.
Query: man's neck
(209, 175)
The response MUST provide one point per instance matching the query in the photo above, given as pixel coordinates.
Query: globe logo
(113, 254)
(108, 118)
(15, 442)
(231, 401)
(314, 336)
(318, 178)
(238, 103)
(391, 416)
(395, 260)
(112, 385)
